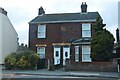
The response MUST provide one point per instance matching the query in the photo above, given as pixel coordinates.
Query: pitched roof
(83, 40)
(66, 17)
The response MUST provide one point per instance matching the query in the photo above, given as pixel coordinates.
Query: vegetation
(22, 60)
(102, 42)
(10, 61)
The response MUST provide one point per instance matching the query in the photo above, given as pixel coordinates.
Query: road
(42, 77)
(58, 79)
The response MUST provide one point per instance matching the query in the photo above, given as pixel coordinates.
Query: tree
(102, 42)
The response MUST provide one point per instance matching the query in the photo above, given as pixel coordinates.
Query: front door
(66, 54)
(56, 55)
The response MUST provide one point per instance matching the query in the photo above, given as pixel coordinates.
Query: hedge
(22, 60)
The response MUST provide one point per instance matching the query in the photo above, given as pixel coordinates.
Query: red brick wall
(55, 33)
(92, 66)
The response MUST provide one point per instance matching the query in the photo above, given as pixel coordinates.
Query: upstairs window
(86, 30)
(41, 31)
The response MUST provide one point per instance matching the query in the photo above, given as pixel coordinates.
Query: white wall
(0, 37)
(9, 37)
(119, 17)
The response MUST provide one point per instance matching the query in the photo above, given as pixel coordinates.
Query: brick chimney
(3, 11)
(84, 7)
(41, 11)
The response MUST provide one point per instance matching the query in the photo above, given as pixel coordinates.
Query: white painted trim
(61, 44)
(81, 43)
(41, 45)
(57, 59)
(64, 57)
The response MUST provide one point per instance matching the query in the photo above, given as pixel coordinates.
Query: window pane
(86, 33)
(41, 28)
(42, 49)
(86, 30)
(86, 53)
(57, 53)
(66, 54)
(86, 26)
(41, 31)
(86, 57)
(76, 57)
(76, 53)
(85, 49)
(41, 52)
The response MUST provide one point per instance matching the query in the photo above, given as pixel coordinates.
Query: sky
(21, 12)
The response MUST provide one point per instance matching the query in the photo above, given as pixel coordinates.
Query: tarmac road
(39, 77)
(57, 75)
(58, 79)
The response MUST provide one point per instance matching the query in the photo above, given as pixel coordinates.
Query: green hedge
(22, 60)
(10, 61)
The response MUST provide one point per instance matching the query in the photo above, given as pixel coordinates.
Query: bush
(10, 61)
(23, 60)
(41, 64)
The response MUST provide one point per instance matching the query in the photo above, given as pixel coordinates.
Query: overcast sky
(20, 12)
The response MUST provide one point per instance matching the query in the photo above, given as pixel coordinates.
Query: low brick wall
(91, 66)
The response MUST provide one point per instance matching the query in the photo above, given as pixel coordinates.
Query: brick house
(62, 36)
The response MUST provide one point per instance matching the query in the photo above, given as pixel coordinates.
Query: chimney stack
(3, 11)
(41, 11)
(84, 7)
(117, 34)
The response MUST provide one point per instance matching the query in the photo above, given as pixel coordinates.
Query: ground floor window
(76, 53)
(86, 53)
(41, 52)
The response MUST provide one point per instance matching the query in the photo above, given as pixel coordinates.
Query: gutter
(63, 21)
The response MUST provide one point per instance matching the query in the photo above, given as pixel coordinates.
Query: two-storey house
(63, 36)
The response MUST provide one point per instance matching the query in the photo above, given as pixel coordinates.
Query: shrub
(10, 61)
(26, 60)
(22, 60)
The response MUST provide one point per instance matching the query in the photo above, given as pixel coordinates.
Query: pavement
(45, 72)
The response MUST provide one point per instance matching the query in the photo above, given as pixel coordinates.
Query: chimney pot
(41, 11)
(84, 7)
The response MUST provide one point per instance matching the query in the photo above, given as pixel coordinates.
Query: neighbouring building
(117, 44)
(8, 36)
(63, 36)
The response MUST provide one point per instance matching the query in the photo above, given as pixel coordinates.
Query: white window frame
(86, 53)
(86, 30)
(76, 53)
(40, 52)
(41, 31)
